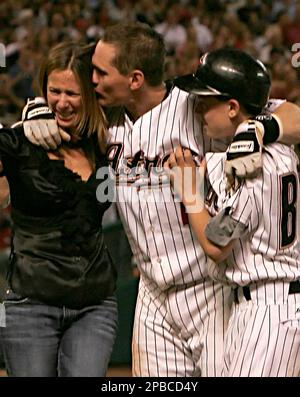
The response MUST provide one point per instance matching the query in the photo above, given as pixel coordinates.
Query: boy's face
(215, 116)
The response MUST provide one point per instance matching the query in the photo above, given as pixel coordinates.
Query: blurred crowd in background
(269, 30)
(266, 29)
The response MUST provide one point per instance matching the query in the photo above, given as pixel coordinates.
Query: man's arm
(244, 154)
(289, 115)
(40, 126)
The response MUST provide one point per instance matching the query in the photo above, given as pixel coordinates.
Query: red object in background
(5, 228)
(5, 238)
(291, 34)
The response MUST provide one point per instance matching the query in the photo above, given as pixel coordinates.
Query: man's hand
(40, 126)
(244, 154)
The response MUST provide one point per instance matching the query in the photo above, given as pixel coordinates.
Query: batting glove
(40, 126)
(244, 154)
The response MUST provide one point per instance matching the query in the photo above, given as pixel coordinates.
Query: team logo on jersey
(137, 168)
(150, 180)
(138, 171)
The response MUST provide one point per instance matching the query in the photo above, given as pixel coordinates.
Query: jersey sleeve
(272, 105)
(233, 219)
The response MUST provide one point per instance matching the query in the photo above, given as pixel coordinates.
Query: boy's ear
(233, 107)
(136, 79)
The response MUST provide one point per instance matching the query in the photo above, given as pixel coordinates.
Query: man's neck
(146, 100)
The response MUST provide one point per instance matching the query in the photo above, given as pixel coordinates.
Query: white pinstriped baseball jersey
(263, 335)
(172, 258)
(181, 315)
(266, 205)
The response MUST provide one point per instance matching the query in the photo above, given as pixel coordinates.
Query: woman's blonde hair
(77, 57)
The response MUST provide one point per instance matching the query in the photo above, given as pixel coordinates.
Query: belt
(294, 288)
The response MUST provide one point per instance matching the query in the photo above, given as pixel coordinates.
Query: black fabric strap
(271, 128)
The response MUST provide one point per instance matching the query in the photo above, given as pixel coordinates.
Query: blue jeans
(48, 341)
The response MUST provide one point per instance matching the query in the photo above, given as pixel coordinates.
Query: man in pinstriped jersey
(181, 314)
(177, 329)
(253, 237)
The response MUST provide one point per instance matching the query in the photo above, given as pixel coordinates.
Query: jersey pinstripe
(264, 340)
(263, 335)
(180, 312)
(166, 258)
(270, 250)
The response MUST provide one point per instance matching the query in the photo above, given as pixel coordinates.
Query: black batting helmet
(230, 73)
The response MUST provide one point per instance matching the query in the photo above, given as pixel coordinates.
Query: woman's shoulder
(12, 135)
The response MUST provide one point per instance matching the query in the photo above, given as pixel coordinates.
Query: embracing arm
(244, 154)
(289, 115)
(199, 222)
(40, 126)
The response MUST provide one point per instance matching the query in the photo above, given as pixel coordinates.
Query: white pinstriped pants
(263, 336)
(180, 332)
